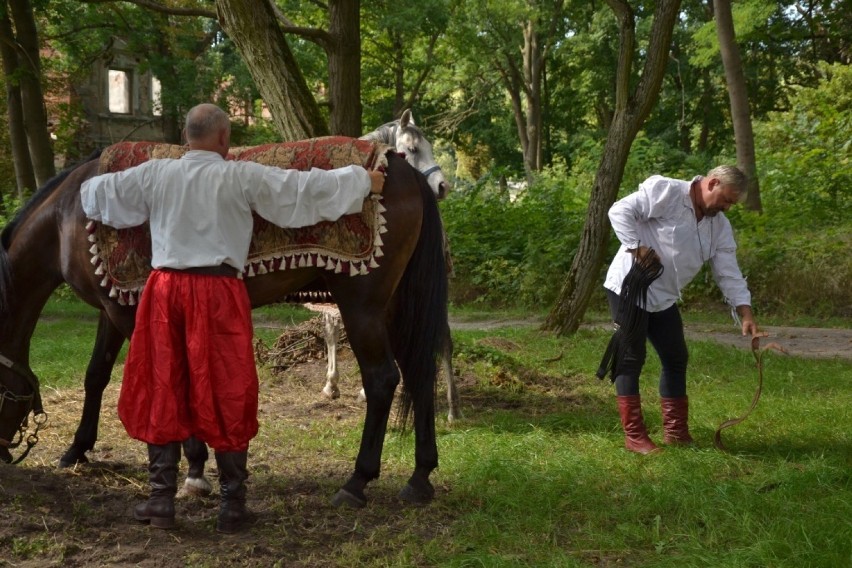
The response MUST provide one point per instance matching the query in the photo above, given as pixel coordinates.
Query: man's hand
(647, 256)
(749, 325)
(377, 181)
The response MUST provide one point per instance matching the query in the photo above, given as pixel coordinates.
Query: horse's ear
(406, 119)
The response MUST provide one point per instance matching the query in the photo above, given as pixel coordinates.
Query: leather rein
(757, 352)
(34, 405)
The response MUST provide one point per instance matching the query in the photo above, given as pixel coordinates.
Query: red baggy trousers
(190, 369)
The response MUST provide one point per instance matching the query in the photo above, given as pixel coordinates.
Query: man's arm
(292, 198)
(115, 199)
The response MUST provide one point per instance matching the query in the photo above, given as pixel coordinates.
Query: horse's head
(418, 152)
(409, 141)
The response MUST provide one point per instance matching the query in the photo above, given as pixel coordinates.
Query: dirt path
(825, 343)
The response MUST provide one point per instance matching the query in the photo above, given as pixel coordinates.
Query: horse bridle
(428, 171)
(34, 405)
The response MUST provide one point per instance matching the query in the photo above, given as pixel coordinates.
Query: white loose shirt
(661, 216)
(199, 206)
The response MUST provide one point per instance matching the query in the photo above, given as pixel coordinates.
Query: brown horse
(396, 316)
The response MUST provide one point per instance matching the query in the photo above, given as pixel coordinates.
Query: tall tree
(516, 38)
(341, 43)
(253, 26)
(27, 74)
(400, 54)
(631, 110)
(24, 174)
(738, 96)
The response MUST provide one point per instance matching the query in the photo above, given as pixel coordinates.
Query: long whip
(631, 315)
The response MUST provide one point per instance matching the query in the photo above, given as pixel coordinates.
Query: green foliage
(797, 253)
(805, 153)
(512, 246)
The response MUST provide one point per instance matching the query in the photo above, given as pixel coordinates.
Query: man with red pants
(190, 369)
(684, 224)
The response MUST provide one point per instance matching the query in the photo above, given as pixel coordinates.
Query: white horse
(408, 140)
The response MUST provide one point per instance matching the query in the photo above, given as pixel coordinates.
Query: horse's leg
(419, 490)
(107, 346)
(362, 394)
(380, 377)
(331, 326)
(454, 413)
(195, 483)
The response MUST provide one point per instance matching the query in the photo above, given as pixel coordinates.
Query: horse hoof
(70, 459)
(331, 392)
(344, 497)
(417, 496)
(195, 487)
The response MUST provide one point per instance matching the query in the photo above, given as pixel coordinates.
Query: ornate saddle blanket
(122, 257)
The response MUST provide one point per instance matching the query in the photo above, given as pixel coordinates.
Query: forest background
(522, 100)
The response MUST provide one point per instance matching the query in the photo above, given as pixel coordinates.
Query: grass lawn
(536, 475)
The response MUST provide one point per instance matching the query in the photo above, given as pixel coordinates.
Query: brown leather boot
(233, 514)
(675, 420)
(635, 434)
(159, 509)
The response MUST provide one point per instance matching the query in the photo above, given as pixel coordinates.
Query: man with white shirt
(684, 223)
(190, 368)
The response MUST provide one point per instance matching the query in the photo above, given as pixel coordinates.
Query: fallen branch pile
(300, 343)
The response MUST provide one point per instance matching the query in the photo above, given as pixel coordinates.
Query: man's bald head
(208, 127)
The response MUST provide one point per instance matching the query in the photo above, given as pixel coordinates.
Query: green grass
(544, 482)
(535, 475)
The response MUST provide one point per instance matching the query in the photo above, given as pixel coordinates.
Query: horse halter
(428, 171)
(33, 402)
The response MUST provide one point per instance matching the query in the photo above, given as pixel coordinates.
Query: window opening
(119, 91)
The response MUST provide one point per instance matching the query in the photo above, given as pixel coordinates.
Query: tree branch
(627, 36)
(157, 7)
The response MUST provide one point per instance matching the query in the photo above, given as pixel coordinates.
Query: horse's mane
(40, 195)
(6, 236)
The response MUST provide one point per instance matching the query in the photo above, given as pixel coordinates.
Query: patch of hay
(302, 343)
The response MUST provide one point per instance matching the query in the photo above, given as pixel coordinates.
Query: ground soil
(798, 341)
(81, 516)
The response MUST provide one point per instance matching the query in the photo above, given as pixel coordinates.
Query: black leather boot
(233, 515)
(159, 509)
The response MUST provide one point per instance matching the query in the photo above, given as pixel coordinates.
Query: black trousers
(665, 331)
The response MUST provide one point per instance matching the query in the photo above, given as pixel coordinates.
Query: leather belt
(220, 270)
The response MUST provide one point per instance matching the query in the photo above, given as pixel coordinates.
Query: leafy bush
(514, 246)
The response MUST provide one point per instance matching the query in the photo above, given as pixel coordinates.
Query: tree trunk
(344, 66)
(583, 275)
(32, 97)
(253, 27)
(631, 110)
(533, 65)
(738, 96)
(24, 175)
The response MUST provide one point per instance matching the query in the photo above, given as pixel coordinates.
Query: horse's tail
(419, 321)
